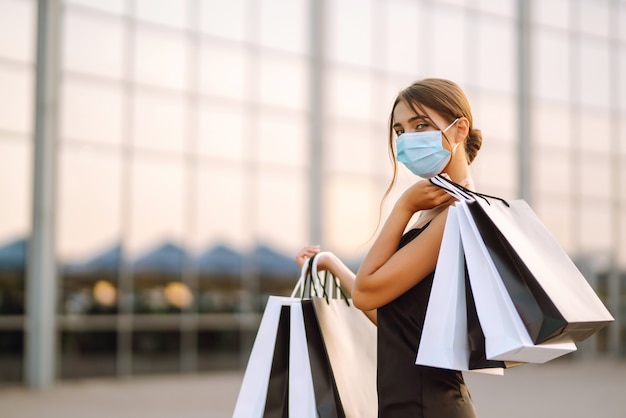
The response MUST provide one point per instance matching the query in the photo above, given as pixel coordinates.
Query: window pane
(17, 30)
(165, 12)
(551, 12)
(283, 83)
(595, 226)
(349, 94)
(12, 358)
(223, 206)
(594, 17)
(159, 122)
(551, 65)
(89, 196)
(593, 60)
(348, 149)
(449, 29)
(595, 132)
(16, 113)
(93, 44)
(15, 187)
(282, 208)
(495, 60)
(156, 352)
(224, 18)
(557, 215)
(91, 111)
(157, 202)
(160, 59)
(285, 25)
(501, 7)
(346, 35)
(552, 171)
(400, 18)
(88, 354)
(551, 125)
(347, 229)
(111, 6)
(223, 70)
(496, 117)
(283, 140)
(221, 131)
(595, 177)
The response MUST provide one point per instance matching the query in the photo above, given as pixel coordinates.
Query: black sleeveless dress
(406, 390)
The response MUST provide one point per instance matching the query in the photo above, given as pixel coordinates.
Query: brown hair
(448, 100)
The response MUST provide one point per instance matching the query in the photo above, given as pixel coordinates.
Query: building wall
(188, 124)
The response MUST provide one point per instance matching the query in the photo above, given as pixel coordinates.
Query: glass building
(193, 146)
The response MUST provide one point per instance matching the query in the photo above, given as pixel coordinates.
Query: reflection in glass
(88, 354)
(220, 349)
(12, 358)
(156, 352)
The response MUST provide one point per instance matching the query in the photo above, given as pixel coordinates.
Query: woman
(431, 125)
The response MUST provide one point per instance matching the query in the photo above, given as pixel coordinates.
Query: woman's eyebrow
(412, 119)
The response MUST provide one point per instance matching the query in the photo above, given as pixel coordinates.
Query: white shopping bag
(444, 342)
(301, 393)
(253, 392)
(506, 337)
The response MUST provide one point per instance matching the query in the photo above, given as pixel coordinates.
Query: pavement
(587, 388)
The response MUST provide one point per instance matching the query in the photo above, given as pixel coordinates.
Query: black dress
(405, 389)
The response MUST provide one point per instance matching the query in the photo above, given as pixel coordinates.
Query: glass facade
(187, 133)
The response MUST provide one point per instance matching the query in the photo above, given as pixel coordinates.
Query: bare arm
(329, 261)
(387, 272)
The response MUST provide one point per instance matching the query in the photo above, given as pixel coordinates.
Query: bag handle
(330, 286)
(461, 192)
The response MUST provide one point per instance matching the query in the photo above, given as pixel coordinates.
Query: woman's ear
(462, 129)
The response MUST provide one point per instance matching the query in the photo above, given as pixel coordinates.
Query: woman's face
(406, 120)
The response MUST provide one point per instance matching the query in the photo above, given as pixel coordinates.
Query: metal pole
(316, 88)
(523, 94)
(41, 275)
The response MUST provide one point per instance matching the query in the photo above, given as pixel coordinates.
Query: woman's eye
(399, 132)
(421, 126)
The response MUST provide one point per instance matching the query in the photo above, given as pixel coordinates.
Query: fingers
(305, 253)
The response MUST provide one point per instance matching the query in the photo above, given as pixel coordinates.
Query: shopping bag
(350, 341)
(444, 341)
(277, 398)
(551, 295)
(506, 337)
(254, 387)
(301, 392)
(327, 401)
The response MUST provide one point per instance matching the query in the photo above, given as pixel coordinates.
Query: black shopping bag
(552, 297)
(277, 400)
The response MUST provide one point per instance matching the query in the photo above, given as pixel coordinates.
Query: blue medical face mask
(423, 152)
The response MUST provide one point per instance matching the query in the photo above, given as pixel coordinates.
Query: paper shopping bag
(551, 295)
(301, 391)
(506, 337)
(350, 342)
(444, 341)
(277, 398)
(327, 401)
(254, 388)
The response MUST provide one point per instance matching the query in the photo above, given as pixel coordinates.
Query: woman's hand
(424, 195)
(305, 253)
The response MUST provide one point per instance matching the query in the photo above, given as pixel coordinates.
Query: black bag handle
(466, 190)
